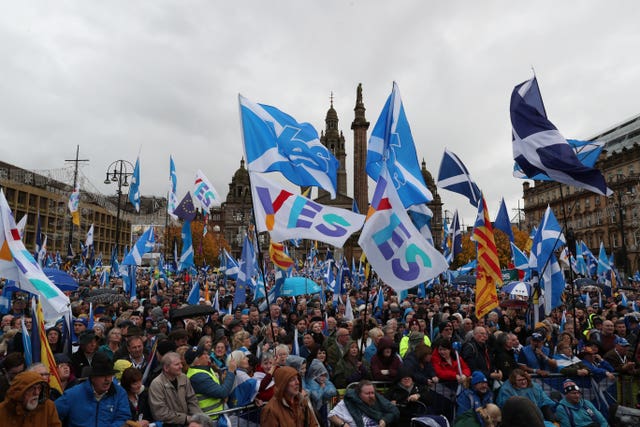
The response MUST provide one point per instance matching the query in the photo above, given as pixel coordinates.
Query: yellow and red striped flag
(46, 356)
(279, 257)
(488, 274)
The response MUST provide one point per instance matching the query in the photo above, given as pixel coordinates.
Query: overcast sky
(162, 77)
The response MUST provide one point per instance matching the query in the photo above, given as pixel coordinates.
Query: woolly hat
(569, 386)
(478, 377)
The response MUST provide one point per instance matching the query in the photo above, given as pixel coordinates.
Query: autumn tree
(468, 253)
(206, 249)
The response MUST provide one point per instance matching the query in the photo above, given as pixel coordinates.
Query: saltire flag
(205, 193)
(456, 236)
(603, 261)
(455, 177)
(172, 202)
(391, 144)
(279, 257)
(104, 278)
(247, 269)
(128, 274)
(143, 245)
(231, 266)
(548, 239)
(185, 210)
(74, 206)
(502, 222)
(380, 299)
(17, 264)
(275, 141)
(115, 265)
(488, 274)
(26, 343)
(216, 302)
(393, 246)
(134, 186)
(468, 267)
(329, 275)
(581, 265)
(592, 261)
(194, 293)
(286, 215)
(89, 240)
(520, 260)
(421, 216)
(587, 152)
(539, 148)
(186, 257)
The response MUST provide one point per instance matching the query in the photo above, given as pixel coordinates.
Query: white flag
(205, 193)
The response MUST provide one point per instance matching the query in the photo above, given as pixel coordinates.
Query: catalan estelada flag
(488, 274)
(278, 256)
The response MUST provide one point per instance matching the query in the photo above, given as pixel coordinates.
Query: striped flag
(279, 257)
(46, 355)
(488, 274)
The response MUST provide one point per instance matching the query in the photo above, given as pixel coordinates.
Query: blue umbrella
(63, 280)
(294, 286)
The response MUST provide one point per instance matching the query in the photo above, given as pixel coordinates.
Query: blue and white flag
(89, 239)
(275, 141)
(194, 293)
(587, 152)
(172, 202)
(391, 143)
(186, 257)
(144, 244)
(454, 176)
(231, 267)
(134, 186)
(539, 148)
(603, 261)
(520, 260)
(456, 236)
(41, 250)
(547, 240)
(246, 272)
(581, 265)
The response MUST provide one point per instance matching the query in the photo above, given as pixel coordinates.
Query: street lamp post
(118, 173)
(623, 244)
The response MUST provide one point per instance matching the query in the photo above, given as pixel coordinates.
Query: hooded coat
(379, 362)
(319, 395)
(283, 411)
(12, 413)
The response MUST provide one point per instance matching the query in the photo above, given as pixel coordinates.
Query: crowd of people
(305, 364)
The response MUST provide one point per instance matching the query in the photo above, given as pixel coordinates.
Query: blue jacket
(469, 399)
(78, 407)
(580, 415)
(535, 393)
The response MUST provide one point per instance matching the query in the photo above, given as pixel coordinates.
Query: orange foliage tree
(205, 249)
(468, 253)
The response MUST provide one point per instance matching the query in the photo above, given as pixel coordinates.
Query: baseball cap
(622, 341)
(193, 353)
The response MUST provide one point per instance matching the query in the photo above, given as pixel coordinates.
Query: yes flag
(488, 274)
(134, 186)
(454, 176)
(275, 141)
(539, 148)
(393, 246)
(74, 206)
(286, 215)
(204, 192)
(144, 244)
(17, 263)
(172, 202)
(391, 143)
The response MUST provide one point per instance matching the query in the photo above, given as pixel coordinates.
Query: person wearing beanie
(411, 398)
(413, 338)
(574, 411)
(477, 395)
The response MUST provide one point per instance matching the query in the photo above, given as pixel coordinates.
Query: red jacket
(446, 371)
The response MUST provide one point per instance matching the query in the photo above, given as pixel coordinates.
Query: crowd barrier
(603, 393)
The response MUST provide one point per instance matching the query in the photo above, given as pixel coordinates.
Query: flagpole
(364, 320)
(75, 183)
(570, 238)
